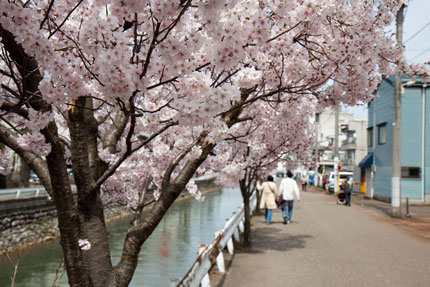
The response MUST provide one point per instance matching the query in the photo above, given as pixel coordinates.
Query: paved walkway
(332, 245)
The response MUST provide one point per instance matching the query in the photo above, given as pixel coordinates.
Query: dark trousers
(348, 198)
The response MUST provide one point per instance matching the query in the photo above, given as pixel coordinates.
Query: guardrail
(40, 190)
(22, 191)
(209, 255)
(17, 192)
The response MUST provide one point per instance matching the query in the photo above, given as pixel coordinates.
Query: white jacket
(289, 189)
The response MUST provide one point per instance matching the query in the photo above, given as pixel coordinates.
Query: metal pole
(316, 149)
(407, 208)
(372, 174)
(423, 142)
(336, 149)
(396, 170)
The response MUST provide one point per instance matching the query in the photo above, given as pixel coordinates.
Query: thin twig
(65, 19)
(15, 272)
(47, 14)
(57, 278)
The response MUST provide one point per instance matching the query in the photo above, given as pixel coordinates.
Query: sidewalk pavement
(418, 221)
(334, 245)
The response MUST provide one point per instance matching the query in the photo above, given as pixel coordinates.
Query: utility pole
(336, 149)
(396, 171)
(317, 121)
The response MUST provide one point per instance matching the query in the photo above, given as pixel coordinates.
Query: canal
(165, 257)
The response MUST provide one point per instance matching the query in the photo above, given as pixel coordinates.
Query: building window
(411, 171)
(369, 137)
(382, 133)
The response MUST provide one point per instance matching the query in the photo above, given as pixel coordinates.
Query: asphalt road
(330, 245)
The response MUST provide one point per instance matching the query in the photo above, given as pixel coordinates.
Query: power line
(419, 31)
(420, 54)
(416, 50)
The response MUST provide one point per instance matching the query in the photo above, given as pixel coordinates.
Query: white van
(329, 186)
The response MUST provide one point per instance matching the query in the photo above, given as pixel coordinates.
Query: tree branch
(47, 14)
(65, 19)
(113, 168)
(35, 162)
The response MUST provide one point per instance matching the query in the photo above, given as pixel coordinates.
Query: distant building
(415, 142)
(352, 139)
(354, 146)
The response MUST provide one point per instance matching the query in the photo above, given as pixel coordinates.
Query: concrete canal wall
(29, 221)
(17, 212)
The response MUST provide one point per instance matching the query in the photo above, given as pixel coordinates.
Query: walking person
(304, 182)
(269, 196)
(346, 186)
(289, 190)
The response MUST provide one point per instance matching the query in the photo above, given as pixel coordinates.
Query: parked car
(331, 179)
(33, 177)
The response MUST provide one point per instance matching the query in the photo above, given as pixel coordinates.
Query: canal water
(165, 257)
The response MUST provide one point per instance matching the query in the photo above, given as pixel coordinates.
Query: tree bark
(247, 242)
(66, 210)
(111, 137)
(24, 174)
(87, 167)
(257, 208)
(35, 162)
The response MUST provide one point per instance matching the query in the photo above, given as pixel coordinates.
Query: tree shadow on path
(267, 238)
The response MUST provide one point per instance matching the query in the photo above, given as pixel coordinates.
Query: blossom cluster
(193, 64)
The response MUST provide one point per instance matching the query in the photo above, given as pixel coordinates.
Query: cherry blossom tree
(130, 92)
(278, 132)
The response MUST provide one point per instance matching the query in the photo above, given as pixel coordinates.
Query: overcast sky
(417, 18)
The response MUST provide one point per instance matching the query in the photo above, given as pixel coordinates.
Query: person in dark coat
(346, 186)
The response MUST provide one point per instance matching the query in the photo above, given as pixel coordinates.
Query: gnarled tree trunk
(246, 195)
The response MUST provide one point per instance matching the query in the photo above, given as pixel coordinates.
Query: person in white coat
(289, 190)
(269, 196)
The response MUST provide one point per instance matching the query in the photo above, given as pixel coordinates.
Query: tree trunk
(245, 195)
(137, 235)
(2, 181)
(257, 208)
(87, 167)
(93, 228)
(24, 174)
(66, 210)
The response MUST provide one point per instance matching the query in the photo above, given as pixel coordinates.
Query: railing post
(230, 246)
(205, 280)
(236, 231)
(236, 235)
(18, 193)
(37, 192)
(250, 204)
(220, 258)
(223, 238)
(241, 226)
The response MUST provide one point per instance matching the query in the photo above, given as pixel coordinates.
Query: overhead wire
(419, 31)
(420, 54)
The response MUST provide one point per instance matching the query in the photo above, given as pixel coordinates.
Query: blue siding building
(415, 142)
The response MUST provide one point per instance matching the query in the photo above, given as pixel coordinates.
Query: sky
(417, 18)
(416, 40)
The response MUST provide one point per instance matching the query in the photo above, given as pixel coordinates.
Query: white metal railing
(29, 191)
(17, 192)
(209, 255)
